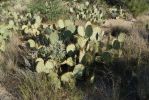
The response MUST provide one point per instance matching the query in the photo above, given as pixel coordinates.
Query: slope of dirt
(118, 22)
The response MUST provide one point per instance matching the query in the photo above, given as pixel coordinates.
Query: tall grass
(39, 87)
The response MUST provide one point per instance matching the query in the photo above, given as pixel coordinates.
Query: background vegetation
(62, 49)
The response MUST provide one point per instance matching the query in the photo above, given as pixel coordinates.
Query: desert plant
(137, 7)
(135, 51)
(88, 12)
(65, 49)
(87, 43)
(49, 9)
(40, 86)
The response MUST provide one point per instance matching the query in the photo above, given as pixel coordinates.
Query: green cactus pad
(106, 57)
(92, 79)
(49, 65)
(69, 61)
(96, 30)
(67, 35)
(38, 20)
(23, 27)
(32, 43)
(70, 47)
(60, 24)
(55, 80)
(87, 59)
(40, 67)
(88, 23)
(78, 71)
(121, 37)
(39, 60)
(81, 31)
(116, 44)
(68, 23)
(81, 55)
(67, 77)
(82, 41)
(88, 31)
(70, 26)
(54, 37)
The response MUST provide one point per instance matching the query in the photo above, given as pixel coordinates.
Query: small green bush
(49, 9)
(137, 7)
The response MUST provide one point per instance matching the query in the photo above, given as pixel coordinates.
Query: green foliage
(88, 12)
(68, 80)
(32, 43)
(64, 44)
(53, 38)
(106, 56)
(78, 71)
(49, 9)
(118, 12)
(89, 31)
(52, 46)
(116, 44)
(137, 7)
(58, 50)
(66, 53)
(5, 34)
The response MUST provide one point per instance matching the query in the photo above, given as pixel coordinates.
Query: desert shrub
(40, 87)
(137, 7)
(49, 9)
(136, 50)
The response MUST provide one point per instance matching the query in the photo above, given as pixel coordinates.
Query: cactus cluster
(95, 13)
(8, 24)
(64, 44)
(5, 33)
(49, 9)
(117, 13)
(42, 38)
(88, 12)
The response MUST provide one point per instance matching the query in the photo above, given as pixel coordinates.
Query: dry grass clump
(134, 43)
(39, 87)
(9, 58)
(136, 48)
(27, 85)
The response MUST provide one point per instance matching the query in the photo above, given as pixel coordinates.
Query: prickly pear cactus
(5, 34)
(78, 71)
(85, 11)
(64, 45)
